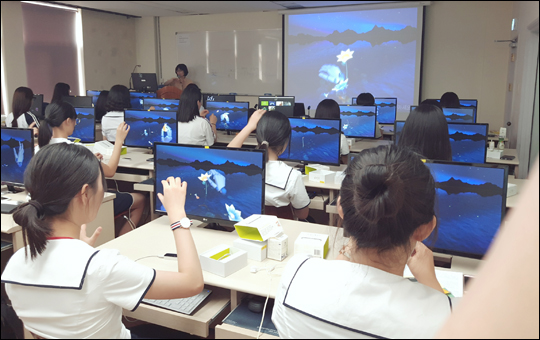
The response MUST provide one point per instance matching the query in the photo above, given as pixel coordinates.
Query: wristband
(176, 225)
(183, 223)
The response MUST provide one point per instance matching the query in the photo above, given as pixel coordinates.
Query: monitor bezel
(374, 127)
(150, 147)
(475, 100)
(274, 97)
(247, 115)
(31, 131)
(78, 97)
(485, 141)
(94, 124)
(146, 98)
(40, 114)
(395, 129)
(395, 111)
(209, 220)
(205, 97)
(474, 112)
(503, 205)
(150, 77)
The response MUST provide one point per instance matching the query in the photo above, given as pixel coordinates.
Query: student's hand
(92, 239)
(422, 265)
(254, 119)
(34, 128)
(174, 198)
(213, 119)
(203, 113)
(122, 131)
(99, 156)
(152, 108)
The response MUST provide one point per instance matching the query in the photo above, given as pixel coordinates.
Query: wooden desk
(223, 139)
(506, 152)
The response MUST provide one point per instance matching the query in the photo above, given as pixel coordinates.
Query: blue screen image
(468, 102)
(94, 95)
(386, 110)
(314, 141)
(136, 99)
(148, 127)
(468, 206)
(85, 127)
(358, 121)
(398, 126)
(17, 150)
(222, 184)
(230, 116)
(468, 142)
(160, 104)
(460, 115)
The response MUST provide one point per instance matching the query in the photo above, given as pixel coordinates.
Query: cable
(128, 218)
(145, 257)
(268, 270)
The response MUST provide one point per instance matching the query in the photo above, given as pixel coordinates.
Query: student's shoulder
(292, 267)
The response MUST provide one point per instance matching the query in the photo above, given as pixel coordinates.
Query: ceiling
(179, 8)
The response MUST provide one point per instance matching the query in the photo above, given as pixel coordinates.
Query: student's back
(192, 128)
(329, 109)
(117, 101)
(20, 116)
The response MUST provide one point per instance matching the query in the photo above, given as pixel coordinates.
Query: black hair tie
(37, 205)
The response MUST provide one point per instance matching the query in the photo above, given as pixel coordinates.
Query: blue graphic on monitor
(468, 142)
(136, 99)
(314, 141)
(231, 116)
(94, 95)
(17, 150)
(160, 104)
(386, 110)
(469, 103)
(222, 184)
(398, 127)
(469, 206)
(358, 121)
(148, 127)
(85, 127)
(460, 115)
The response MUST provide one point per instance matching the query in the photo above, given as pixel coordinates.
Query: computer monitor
(469, 103)
(358, 121)
(314, 141)
(148, 127)
(161, 104)
(351, 156)
(470, 205)
(386, 110)
(284, 105)
(214, 97)
(75, 101)
(17, 150)
(231, 116)
(468, 142)
(398, 126)
(137, 99)
(37, 106)
(144, 82)
(225, 185)
(94, 95)
(413, 107)
(85, 129)
(460, 115)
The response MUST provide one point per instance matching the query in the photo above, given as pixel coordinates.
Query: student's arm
(109, 169)
(188, 281)
(302, 214)
(213, 122)
(422, 267)
(251, 126)
(170, 82)
(299, 197)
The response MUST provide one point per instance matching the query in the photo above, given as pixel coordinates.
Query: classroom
(387, 149)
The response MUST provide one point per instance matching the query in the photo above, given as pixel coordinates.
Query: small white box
(256, 250)
(322, 176)
(502, 133)
(223, 260)
(278, 247)
(512, 190)
(339, 177)
(312, 244)
(496, 154)
(258, 227)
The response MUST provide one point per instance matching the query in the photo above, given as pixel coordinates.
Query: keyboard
(8, 208)
(184, 306)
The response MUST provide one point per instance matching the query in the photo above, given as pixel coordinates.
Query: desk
(506, 152)
(388, 130)
(223, 139)
(511, 202)
(368, 144)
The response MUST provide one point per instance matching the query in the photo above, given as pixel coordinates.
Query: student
(20, 115)
(117, 101)
(61, 90)
(58, 125)
(329, 109)
(426, 132)
(79, 291)
(284, 185)
(432, 102)
(367, 99)
(192, 127)
(450, 99)
(387, 203)
(99, 109)
(180, 82)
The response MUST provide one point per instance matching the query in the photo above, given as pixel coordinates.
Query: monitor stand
(443, 261)
(13, 189)
(217, 226)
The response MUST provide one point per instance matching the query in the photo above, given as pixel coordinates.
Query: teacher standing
(180, 81)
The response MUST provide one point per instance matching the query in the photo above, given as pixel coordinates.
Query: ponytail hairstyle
(273, 132)
(54, 176)
(188, 108)
(55, 114)
(328, 109)
(118, 99)
(387, 193)
(22, 100)
(61, 90)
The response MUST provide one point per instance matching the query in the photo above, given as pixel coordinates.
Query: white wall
(146, 45)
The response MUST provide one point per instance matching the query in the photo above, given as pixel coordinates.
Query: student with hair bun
(387, 203)
(60, 286)
(284, 185)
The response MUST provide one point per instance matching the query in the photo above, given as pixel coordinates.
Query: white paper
(182, 40)
(449, 280)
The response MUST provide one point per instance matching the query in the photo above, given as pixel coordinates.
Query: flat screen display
(160, 104)
(358, 121)
(284, 105)
(85, 128)
(17, 150)
(136, 99)
(398, 127)
(468, 141)
(231, 116)
(386, 110)
(149, 127)
(460, 115)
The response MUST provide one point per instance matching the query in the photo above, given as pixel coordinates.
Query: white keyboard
(184, 306)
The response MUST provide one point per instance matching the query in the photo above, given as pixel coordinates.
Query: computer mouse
(255, 305)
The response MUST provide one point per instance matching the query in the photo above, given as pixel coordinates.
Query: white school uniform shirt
(321, 299)
(344, 146)
(73, 290)
(22, 121)
(196, 132)
(284, 186)
(109, 124)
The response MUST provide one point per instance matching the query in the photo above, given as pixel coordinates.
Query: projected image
(222, 184)
(468, 142)
(342, 54)
(230, 116)
(17, 150)
(148, 127)
(314, 141)
(398, 127)
(136, 99)
(160, 104)
(84, 129)
(469, 203)
(460, 115)
(386, 110)
(358, 121)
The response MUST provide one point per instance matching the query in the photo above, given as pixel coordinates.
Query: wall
(146, 45)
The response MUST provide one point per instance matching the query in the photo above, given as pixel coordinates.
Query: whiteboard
(242, 62)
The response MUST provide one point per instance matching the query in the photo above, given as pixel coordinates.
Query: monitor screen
(398, 126)
(232, 116)
(17, 150)
(351, 156)
(137, 99)
(225, 185)
(353, 100)
(284, 105)
(146, 82)
(94, 95)
(37, 106)
(149, 127)
(468, 142)
(470, 205)
(358, 121)
(214, 97)
(469, 103)
(82, 101)
(314, 141)
(160, 104)
(386, 110)
(85, 127)
(413, 107)
(460, 115)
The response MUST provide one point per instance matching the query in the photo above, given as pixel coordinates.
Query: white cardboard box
(256, 250)
(496, 154)
(322, 176)
(216, 260)
(258, 227)
(512, 190)
(339, 177)
(312, 244)
(278, 247)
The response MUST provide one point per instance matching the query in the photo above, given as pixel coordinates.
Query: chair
(281, 212)
(169, 92)
(299, 110)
